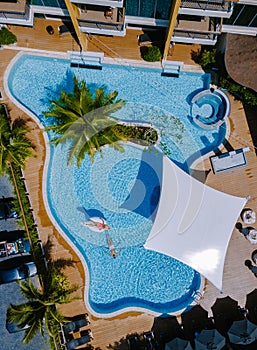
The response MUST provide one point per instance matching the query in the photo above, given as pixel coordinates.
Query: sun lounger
(87, 332)
(74, 343)
(150, 341)
(146, 39)
(133, 342)
(75, 325)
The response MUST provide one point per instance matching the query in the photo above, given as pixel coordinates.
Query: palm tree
(15, 147)
(84, 119)
(40, 310)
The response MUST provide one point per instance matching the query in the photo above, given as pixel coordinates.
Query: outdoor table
(50, 30)
(249, 217)
(252, 236)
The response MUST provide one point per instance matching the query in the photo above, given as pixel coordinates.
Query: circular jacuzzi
(210, 108)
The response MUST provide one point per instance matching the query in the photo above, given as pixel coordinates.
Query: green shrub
(152, 54)
(242, 93)
(6, 37)
(208, 58)
(143, 135)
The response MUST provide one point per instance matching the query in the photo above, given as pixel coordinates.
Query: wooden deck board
(238, 280)
(116, 47)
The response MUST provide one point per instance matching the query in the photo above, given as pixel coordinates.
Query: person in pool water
(102, 226)
(111, 246)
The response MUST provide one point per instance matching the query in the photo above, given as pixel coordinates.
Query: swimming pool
(109, 188)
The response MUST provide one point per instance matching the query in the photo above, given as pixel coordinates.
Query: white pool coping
(106, 59)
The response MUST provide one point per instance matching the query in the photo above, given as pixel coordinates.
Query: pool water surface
(123, 188)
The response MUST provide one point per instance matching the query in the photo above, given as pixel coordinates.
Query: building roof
(194, 222)
(240, 59)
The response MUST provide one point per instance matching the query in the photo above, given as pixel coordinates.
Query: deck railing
(16, 15)
(196, 35)
(101, 25)
(218, 5)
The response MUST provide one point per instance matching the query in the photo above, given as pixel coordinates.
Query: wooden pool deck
(238, 280)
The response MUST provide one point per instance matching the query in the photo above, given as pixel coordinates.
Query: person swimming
(101, 225)
(111, 246)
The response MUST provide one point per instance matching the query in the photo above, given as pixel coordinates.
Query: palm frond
(29, 291)
(81, 118)
(30, 332)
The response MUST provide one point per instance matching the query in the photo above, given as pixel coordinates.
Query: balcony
(214, 8)
(106, 3)
(202, 38)
(196, 30)
(102, 20)
(13, 6)
(16, 13)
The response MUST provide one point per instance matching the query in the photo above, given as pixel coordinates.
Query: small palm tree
(84, 119)
(15, 147)
(40, 310)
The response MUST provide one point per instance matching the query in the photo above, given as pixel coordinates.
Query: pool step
(86, 59)
(171, 68)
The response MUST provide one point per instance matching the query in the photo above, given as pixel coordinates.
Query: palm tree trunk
(21, 206)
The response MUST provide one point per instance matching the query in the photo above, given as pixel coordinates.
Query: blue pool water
(123, 188)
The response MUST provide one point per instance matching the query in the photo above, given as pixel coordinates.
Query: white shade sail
(194, 222)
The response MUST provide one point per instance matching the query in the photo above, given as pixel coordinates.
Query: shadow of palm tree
(196, 55)
(60, 263)
(119, 345)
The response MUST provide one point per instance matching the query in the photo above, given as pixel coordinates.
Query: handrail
(207, 5)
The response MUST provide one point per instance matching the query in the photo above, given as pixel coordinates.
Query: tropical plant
(15, 147)
(208, 58)
(7, 37)
(40, 311)
(83, 118)
(242, 93)
(152, 54)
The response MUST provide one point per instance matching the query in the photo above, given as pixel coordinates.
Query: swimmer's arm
(85, 224)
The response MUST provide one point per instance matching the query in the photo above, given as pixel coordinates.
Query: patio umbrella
(251, 305)
(209, 339)
(225, 311)
(194, 320)
(178, 344)
(242, 332)
(166, 328)
(225, 305)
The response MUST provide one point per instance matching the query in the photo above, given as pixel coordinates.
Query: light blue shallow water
(209, 108)
(121, 187)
